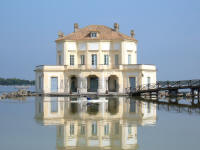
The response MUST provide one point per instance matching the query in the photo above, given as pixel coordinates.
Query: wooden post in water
(150, 95)
(192, 92)
(157, 95)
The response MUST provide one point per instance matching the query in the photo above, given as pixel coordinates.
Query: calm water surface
(6, 89)
(52, 123)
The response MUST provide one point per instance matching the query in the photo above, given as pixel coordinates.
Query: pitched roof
(104, 33)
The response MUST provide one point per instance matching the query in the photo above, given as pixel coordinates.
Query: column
(120, 84)
(102, 85)
(66, 84)
(82, 85)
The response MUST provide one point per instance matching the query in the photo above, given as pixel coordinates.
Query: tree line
(15, 81)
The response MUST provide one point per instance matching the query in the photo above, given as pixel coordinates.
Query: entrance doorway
(113, 83)
(92, 83)
(54, 84)
(132, 82)
(73, 87)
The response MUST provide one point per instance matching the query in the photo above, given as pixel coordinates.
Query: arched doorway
(113, 106)
(73, 108)
(113, 83)
(73, 85)
(92, 108)
(92, 82)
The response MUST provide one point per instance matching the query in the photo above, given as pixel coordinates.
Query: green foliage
(15, 81)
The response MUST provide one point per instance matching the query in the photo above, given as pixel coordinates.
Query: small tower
(60, 34)
(132, 33)
(75, 27)
(116, 27)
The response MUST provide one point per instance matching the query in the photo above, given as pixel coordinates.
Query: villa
(94, 59)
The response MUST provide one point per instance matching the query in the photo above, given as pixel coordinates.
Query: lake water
(117, 123)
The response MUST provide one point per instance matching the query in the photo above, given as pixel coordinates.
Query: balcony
(97, 67)
(137, 67)
(50, 68)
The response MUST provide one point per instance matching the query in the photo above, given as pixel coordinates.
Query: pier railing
(165, 85)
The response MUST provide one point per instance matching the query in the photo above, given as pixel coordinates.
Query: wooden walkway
(170, 86)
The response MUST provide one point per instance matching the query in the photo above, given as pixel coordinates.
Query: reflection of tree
(74, 108)
(92, 108)
(113, 106)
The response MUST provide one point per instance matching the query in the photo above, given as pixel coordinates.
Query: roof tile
(104, 33)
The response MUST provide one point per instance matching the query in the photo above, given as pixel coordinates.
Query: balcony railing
(97, 67)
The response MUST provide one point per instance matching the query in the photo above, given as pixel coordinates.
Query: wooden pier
(172, 87)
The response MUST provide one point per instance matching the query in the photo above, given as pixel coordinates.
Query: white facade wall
(82, 46)
(93, 45)
(116, 45)
(147, 74)
(105, 46)
(122, 48)
(71, 46)
(47, 81)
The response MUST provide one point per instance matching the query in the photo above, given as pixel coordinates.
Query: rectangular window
(106, 129)
(129, 59)
(82, 131)
(106, 60)
(54, 84)
(40, 82)
(59, 59)
(71, 129)
(93, 34)
(129, 129)
(94, 128)
(94, 59)
(132, 106)
(71, 60)
(82, 59)
(54, 104)
(116, 60)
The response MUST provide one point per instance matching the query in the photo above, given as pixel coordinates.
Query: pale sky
(168, 32)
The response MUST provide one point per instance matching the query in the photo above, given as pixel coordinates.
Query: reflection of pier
(175, 104)
(110, 123)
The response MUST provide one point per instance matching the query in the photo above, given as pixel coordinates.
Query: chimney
(75, 27)
(60, 34)
(132, 33)
(116, 27)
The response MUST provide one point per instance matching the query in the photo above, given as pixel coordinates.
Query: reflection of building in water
(106, 123)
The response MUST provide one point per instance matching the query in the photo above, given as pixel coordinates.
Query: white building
(95, 58)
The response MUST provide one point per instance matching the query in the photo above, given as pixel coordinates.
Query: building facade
(95, 58)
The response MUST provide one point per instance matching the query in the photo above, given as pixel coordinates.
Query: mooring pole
(157, 94)
(192, 92)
